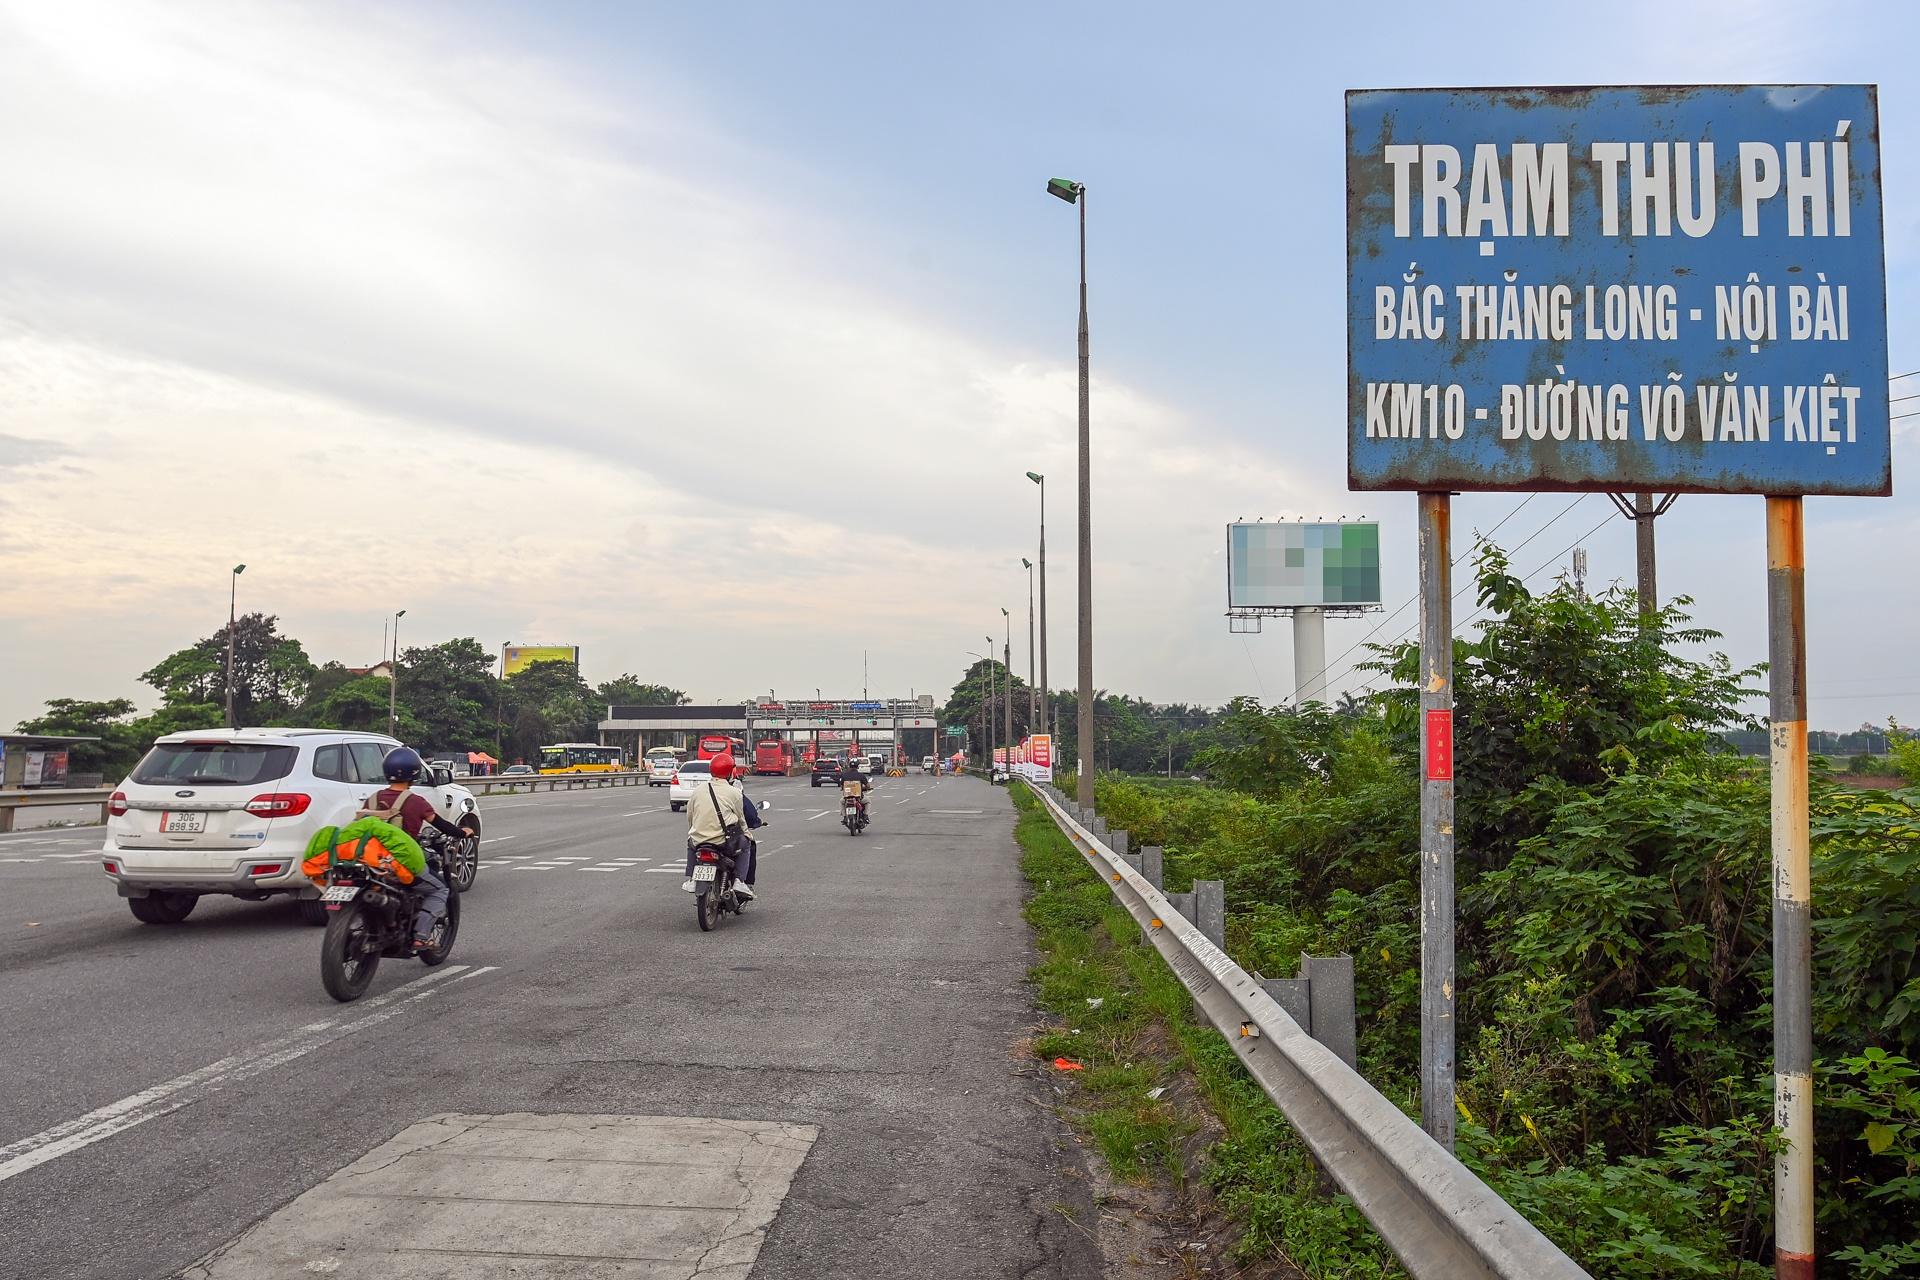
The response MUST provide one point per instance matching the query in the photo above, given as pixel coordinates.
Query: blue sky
(603, 263)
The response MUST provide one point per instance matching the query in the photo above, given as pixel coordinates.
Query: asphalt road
(165, 1087)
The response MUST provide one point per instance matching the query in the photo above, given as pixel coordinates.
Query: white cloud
(405, 322)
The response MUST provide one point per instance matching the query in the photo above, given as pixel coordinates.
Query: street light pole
(1033, 690)
(233, 600)
(993, 690)
(1076, 193)
(1007, 661)
(393, 677)
(1046, 708)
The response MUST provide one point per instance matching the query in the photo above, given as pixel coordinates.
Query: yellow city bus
(579, 757)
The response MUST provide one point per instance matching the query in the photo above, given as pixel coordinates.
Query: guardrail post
(1152, 866)
(1210, 907)
(1099, 826)
(6, 818)
(1117, 841)
(1330, 995)
(1132, 860)
(1183, 904)
(1292, 995)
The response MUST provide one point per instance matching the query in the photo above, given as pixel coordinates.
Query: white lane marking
(902, 800)
(956, 811)
(150, 1104)
(500, 839)
(529, 868)
(599, 868)
(639, 813)
(672, 871)
(565, 859)
(19, 859)
(823, 813)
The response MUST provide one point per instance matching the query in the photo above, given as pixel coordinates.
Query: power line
(1328, 672)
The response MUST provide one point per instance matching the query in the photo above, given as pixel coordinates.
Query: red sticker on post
(1439, 746)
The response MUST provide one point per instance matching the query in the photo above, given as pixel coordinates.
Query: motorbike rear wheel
(706, 908)
(348, 960)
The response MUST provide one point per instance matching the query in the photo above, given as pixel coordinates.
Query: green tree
(548, 702)
(270, 672)
(631, 691)
(109, 721)
(451, 695)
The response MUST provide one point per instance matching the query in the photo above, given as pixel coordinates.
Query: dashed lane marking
(823, 813)
(162, 1099)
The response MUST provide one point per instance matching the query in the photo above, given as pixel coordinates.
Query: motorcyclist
(407, 809)
(720, 814)
(855, 783)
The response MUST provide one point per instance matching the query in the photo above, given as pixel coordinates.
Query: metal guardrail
(1441, 1221)
(11, 802)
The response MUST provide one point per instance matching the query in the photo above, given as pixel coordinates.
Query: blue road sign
(1677, 289)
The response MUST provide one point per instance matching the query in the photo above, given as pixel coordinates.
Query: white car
(688, 777)
(660, 770)
(230, 811)
(926, 764)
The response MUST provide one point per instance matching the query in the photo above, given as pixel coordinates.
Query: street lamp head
(1025, 563)
(1065, 189)
(1036, 477)
(401, 614)
(1005, 614)
(239, 569)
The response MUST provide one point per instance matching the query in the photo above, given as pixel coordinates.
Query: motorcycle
(853, 808)
(713, 893)
(370, 917)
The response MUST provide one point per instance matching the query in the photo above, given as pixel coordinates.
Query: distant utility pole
(1643, 510)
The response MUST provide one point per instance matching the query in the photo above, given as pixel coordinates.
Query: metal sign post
(1792, 888)
(1436, 818)
(1623, 289)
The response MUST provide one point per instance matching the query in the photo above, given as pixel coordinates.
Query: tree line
(449, 699)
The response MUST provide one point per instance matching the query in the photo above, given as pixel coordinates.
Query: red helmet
(722, 765)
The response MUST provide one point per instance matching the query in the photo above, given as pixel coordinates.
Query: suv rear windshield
(214, 764)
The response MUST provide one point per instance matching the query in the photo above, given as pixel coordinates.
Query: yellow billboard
(520, 657)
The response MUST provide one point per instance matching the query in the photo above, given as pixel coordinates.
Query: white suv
(230, 811)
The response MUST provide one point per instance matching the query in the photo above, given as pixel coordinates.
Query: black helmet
(403, 764)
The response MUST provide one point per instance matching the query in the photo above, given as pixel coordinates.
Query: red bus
(773, 756)
(714, 744)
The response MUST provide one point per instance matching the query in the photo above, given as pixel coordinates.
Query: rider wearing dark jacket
(405, 808)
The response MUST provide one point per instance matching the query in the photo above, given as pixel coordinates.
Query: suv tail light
(266, 869)
(279, 804)
(676, 779)
(117, 806)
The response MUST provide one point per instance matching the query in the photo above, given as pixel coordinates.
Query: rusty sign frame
(1689, 333)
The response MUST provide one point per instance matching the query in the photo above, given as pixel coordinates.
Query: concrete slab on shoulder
(534, 1197)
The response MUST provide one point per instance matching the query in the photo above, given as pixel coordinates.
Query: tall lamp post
(393, 677)
(499, 710)
(233, 600)
(1075, 193)
(1033, 690)
(1006, 660)
(1046, 710)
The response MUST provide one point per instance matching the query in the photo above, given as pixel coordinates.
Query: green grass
(1143, 1034)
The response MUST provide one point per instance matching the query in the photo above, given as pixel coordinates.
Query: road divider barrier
(12, 802)
(1440, 1220)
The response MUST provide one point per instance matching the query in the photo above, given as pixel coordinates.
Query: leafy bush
(1614, 934)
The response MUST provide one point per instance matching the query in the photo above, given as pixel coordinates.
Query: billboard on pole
(520, 657)
(1667, 288)
(1296, 565)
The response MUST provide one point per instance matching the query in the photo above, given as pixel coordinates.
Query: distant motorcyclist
(719, 815)
(405, 808)
(855, 784)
